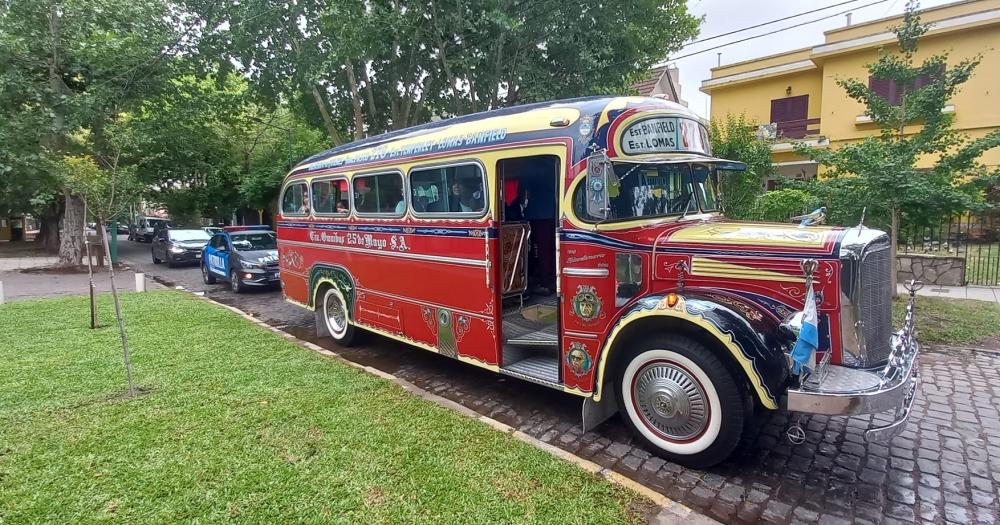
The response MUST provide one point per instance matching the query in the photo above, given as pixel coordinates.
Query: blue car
(246, 256)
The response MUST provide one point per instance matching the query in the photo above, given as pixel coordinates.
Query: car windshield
(638, 191)
(245, 242)
(189, 235)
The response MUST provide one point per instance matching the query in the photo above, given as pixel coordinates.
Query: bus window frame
(450, 214)
(381, 215)
(308, 197)
(350, 196)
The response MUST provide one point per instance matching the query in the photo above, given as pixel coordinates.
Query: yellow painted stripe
(706, 267)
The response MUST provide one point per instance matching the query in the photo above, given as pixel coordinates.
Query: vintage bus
(579, 245)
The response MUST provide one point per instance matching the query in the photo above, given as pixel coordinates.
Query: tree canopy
(365, 67)
(209, 102)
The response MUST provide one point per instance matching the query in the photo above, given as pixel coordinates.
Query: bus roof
(517, 123)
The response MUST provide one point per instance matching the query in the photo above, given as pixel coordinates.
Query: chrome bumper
(842, 391)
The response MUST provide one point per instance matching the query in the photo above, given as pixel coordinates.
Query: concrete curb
(670, 513)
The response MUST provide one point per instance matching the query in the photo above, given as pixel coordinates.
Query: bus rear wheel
(678, 397)
(332, 314)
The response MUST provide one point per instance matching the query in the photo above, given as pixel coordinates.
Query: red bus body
(443, 282)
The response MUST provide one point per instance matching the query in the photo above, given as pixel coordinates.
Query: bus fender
(753, 344)
(335, 275)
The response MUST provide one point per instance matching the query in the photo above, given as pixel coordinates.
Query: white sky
(722, 16)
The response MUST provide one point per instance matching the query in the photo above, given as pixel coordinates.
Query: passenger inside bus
(530, 196)
(455, 189)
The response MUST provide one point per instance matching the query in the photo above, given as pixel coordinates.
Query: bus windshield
(639, 191)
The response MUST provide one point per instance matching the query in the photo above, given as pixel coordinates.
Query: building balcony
(797, 129)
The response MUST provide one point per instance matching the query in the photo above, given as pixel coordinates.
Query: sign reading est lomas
(664, 135)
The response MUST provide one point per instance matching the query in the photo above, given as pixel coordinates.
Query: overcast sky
(722, 16)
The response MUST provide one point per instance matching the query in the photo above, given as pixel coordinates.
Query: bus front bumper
(843, 391)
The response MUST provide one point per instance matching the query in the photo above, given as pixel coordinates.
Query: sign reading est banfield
(664, 135)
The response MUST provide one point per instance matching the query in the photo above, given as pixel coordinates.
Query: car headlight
(175, 249)
(252, 265)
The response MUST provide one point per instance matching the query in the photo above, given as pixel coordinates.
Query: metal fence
(974, 237)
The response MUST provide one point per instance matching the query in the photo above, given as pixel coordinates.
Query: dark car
(245, 256)
(178, 245)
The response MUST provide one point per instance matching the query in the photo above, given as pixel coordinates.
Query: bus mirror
(597, 186)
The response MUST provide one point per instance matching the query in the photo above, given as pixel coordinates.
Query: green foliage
(107, 191)
(237, 424)
(735, 138)
(782, 205)
(880, 173)
(361, 68)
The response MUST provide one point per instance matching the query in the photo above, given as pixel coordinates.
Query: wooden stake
(121, 319)
(90, 271)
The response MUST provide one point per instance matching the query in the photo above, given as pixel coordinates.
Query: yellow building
(797, 91)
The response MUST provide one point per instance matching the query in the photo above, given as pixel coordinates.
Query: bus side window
(380, 194)
(330, 197)
(295, 199)
(448, 190)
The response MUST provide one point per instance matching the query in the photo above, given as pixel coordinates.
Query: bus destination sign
(664, 135)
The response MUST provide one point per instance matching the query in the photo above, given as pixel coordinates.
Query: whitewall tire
(679, 398)
(334, 315)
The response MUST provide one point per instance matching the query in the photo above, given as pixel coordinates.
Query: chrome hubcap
(336, 314)
(671, 401)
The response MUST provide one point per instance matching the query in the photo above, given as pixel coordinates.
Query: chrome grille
(875, 304)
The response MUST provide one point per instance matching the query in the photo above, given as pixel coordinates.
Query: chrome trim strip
(416, 256)
(580, 335)
(585, 272)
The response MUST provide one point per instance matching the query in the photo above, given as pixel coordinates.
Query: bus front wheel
(678, 397)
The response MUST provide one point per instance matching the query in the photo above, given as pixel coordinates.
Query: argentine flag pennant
(808, 341)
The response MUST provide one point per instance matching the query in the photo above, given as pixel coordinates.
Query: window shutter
(798, 107)
(885, 88)
(779, 108)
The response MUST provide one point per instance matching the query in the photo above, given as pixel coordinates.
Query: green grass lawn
(950, 321)
(240, 425)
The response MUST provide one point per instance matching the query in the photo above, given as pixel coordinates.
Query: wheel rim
(235, 282)
(336, 313)
(671, 401)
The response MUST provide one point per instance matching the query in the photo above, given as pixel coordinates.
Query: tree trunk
(359, 114)
(894, 235)
(71, 246)
(48, 229)
(331, 129)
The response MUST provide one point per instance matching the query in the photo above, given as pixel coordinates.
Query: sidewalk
(979, 293)
(20, 263)
(18, 286)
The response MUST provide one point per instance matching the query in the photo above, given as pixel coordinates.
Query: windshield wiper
(687, 205)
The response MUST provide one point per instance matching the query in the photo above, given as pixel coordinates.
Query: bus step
(545, 337)
(543, 369)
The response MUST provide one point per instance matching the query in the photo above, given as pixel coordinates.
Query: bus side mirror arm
(597, 186)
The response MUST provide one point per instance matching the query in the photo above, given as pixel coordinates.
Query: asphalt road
(944, 468)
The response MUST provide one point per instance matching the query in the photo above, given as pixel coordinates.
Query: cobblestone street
(944, 468)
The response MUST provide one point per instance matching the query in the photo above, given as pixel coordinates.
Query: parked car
(178, 246)
(145, 228)
(247, 256)
(122, 228)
